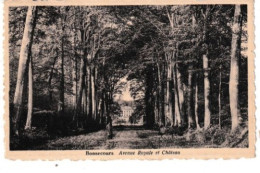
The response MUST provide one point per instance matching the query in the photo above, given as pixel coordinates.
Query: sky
(126, 95)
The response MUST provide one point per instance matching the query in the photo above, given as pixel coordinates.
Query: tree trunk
(149, 97)
(75, 67)
(190, 99)
(88, 81)
(25, 54)
(99, 107)
(178, 87)
(207, 114)
(219, 99)
(168, 105)
(234, 69)
(162, 101)
(93, 94)
(195, 110)
(177, 114)
(82, 75)
(96, 97)
(28, 124)
(107, 105)
(156, 108)
(61, 98)
(74, 88)
(196, 104)
(104, 107)
(159, 94)
(50, 79)
(84, 101)
(180, 95)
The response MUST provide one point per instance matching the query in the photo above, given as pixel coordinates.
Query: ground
(123, 138)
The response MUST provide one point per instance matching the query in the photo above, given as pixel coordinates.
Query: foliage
(92, 48)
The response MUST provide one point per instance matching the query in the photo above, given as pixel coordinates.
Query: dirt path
(123, 138)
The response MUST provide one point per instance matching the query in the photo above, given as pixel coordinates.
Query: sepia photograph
(128, 77)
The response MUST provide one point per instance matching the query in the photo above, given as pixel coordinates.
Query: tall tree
(75, 69)
(196, 104)
(61, 105)
(25, 54)
(168, 100)
(190, 98)
(234, 68)
(207, 113)
(28, 124)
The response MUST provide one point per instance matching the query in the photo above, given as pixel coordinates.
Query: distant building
(127, 111)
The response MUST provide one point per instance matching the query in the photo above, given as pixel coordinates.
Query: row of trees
(71, 61)
(68, 62)
(193, 65)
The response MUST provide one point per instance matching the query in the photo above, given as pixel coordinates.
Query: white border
(165, 166)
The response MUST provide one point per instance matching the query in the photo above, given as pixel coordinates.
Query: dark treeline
(187, 65)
